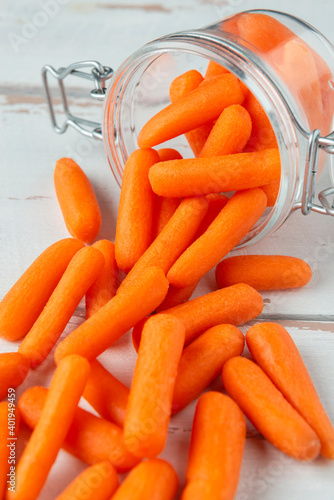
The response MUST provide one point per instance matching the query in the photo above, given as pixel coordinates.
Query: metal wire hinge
(97, 74)
(316, 142)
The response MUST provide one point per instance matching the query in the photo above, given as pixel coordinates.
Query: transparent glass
(284, 62)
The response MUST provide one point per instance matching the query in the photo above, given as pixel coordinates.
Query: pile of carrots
(174, 225)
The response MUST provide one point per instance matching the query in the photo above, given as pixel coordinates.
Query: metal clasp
(98, 74)
(315, 143)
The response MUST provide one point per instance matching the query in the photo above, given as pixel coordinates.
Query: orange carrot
(215, 69)
(79, 276)
(178, 233)
(150, 400)
(45, 442)
(197, 108)
(106, 394)
(276, 353)
(202, 361)
(232, 224)
(100, 331)
(229, 134)
(181, 86)
(268, 410)
(135, 212)
(176, 296)
(9, 428)
(217, 202)
(263, 272)
(17, 315)
(271, 191)
(234, 305)
(263, 31)
(98, 482)
(90, 438)
(216, 449)
(105, 286)
(262, 135)
(77, 200)
(153, 479)
(194, 176)
(14, 368)
(166, 154)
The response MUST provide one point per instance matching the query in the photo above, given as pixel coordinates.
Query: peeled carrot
(215, 69)
(181, 86)
(45, 442)
(106, 394)
(77, 200)
(229, 134)
(268, 410)
(9, 429)
(202, 361)
(178, 233)
(135, 212)
(166, 154)
(234, 305)
(216, 449)
(271, 191)
(262, 135)
(14, 368)
(233, 172)
(89, 438)
(176, 296)
(17, 315)
(263, 31)
(150, 400)
(100, 331)
(79, 276)
(197, 108)
(153, 479)
(232, 224)
(263, 272)
(276, 353)
(98, 482)
(105, 286)
(216, 202)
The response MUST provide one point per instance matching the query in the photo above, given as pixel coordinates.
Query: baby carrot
(98, 482)
(14, 368)
(276, 353)
(9, 428)
(77, 200)
(238, 217)
(166, 154)
(105, 286)
(181, 86)
(135, 211)
(106, 394)
(229, 134)
(202, 361)
(197, 108)
(150, 400)
(91, 439)
(176, 296)
(79, 276)
(215, 69)
(216, 202)
(234, 305)
(194, 176)
(263, 31)
(17, 315)
(216, 449)
(263, 272)
(271, 191)
(178, 233)
(47, 438)
(268, 410)
(262, 135)
(115, 318)
(154, 479)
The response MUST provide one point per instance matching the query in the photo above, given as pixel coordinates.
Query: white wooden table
(30, 220)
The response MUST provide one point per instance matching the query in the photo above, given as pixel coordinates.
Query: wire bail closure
(98, 74)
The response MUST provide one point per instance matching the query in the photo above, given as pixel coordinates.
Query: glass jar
(284, 62)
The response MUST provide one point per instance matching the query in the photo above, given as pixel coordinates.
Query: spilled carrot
(150, 400)
(238, 217)
(77, 200)
(115, 318)
(38, 282)
(216, 202)
(14, 368)
(79, 276)
(176, 296)
(263, 272)
(135, 211)
(104, 287)
(268, 410)
(276, 353)
(216, 449)
(202, 361)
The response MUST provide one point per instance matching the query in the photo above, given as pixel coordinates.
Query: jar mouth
(120, 106)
